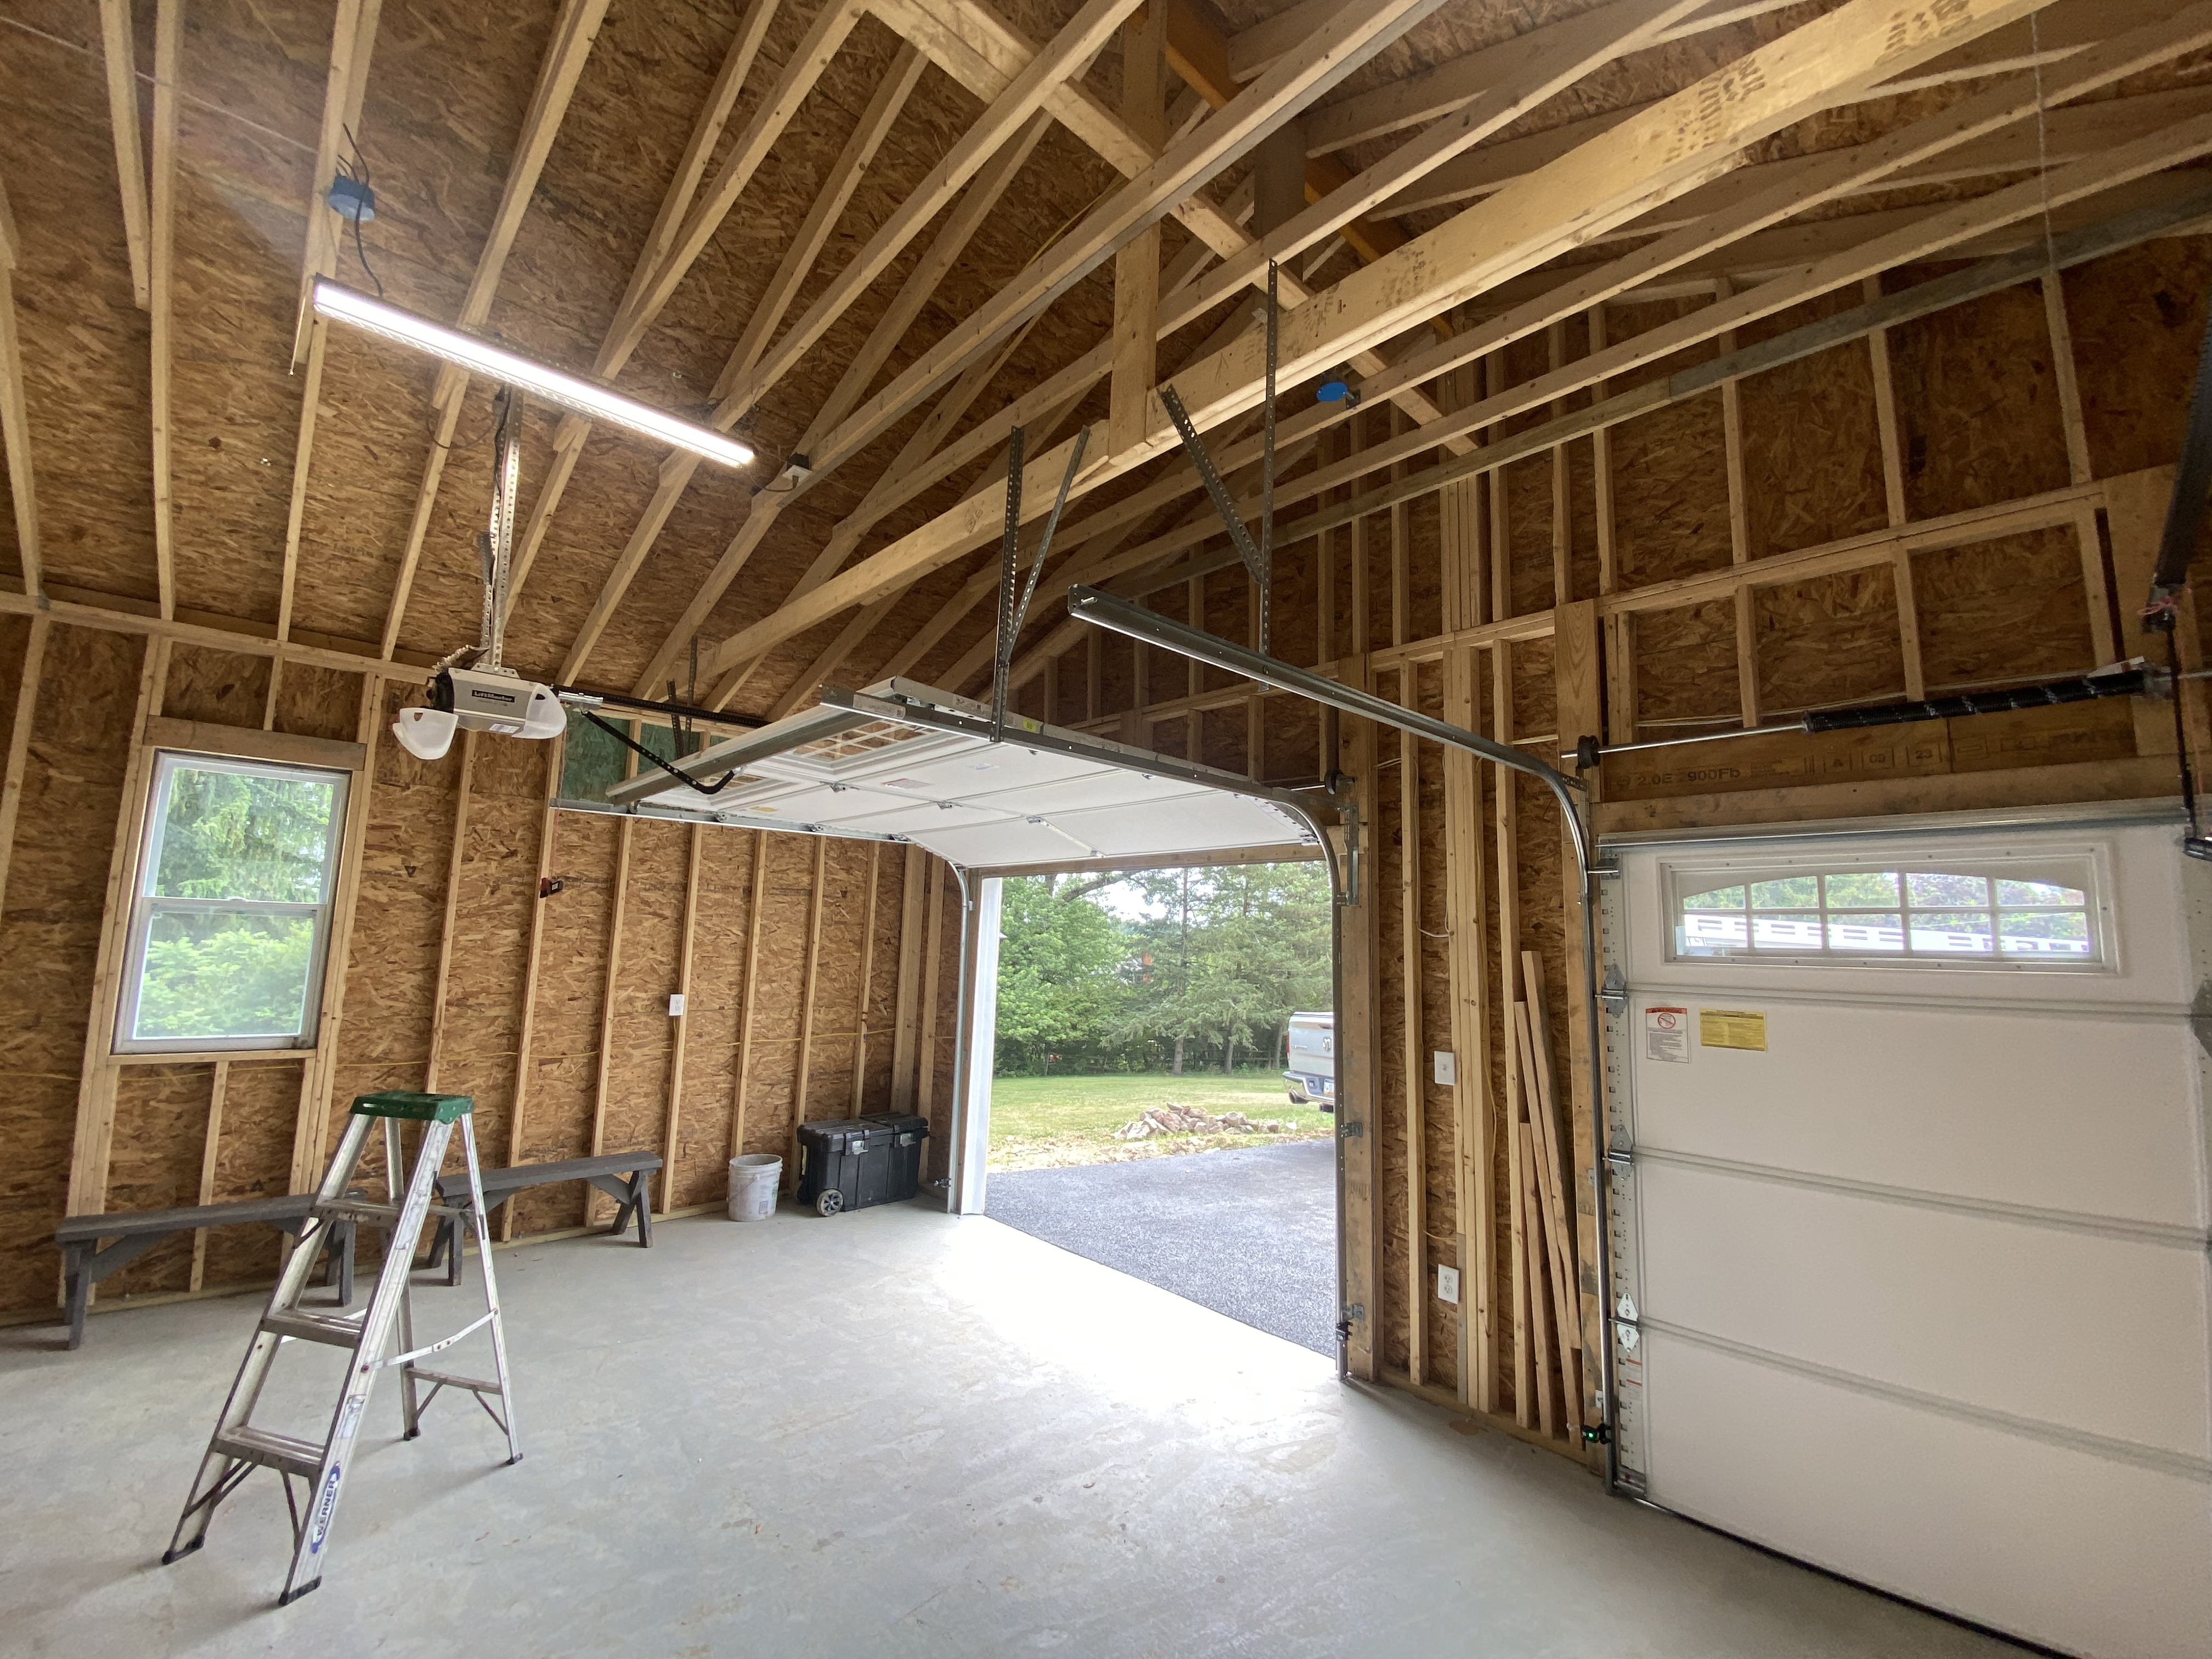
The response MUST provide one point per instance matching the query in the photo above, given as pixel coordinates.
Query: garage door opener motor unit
(849, 1164)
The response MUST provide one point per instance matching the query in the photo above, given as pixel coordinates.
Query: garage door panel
(2089, 1555)
(1201, 822)
(1009, 840)
(2104, 1335)
(1989, 1104)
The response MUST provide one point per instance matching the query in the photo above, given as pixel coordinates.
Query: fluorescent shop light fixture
(564, 391)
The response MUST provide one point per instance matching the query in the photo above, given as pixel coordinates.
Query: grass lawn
(1041, 1121)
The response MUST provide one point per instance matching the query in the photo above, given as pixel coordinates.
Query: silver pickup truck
(1312, 1073)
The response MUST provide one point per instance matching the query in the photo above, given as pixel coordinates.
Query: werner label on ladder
(237, 1448)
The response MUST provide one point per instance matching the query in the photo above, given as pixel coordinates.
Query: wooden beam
(988, 185)
(19, 745)
(675, 203)
(932, 990)
(867, 973)
(353, 35)
(812, 55)
(806, 982)
(1473, 1107)
(118, 54)
(453, 861)
(1359, 1029)
(1505, 829)
(671, 1142)
(678, 467)
(1137, 266)
(95, 1107)
(1512, 78)
(15, 414)
(1073, 47)
(211, 1149)
(1945, 227)
(699, 151)
(161, 242)
(830, 200)
(1410, 979)
(742, 1073)
(611, 983)
(549, 830)
(1678, 143)
(1330, 53)
(311, 1126)
(566, 53)
(903, 1018)
(296, 517)
(1578, 699)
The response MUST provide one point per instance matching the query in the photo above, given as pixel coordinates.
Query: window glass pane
(2059, 933)
(1860, 887)
(228, 835)
(1792, 893)
(1864, 932)
(1954, 932)
(2039, 892)
(212, 974)
(1708, 935)
(1798, 932)
(1933, 888)
(1717, 898)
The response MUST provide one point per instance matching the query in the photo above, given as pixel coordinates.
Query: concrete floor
(1249, 1232)
(891, 1433)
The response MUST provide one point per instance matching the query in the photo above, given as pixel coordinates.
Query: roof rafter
(1695, 136)
(675, 203)
(566, 53)
(14, 417)
(119, 55)
(678, 468)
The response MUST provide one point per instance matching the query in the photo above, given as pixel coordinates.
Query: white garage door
(1913, 1242)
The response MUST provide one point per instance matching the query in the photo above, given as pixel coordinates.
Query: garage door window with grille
(2040, 913)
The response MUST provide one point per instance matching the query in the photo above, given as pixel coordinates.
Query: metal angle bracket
(1013, 614)
(1009, 569)
(1194, 447)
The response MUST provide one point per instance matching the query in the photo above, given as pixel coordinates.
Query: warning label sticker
(1667, 1034)
(1731, 1027)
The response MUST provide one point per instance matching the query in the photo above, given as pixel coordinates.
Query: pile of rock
(1173, 1120)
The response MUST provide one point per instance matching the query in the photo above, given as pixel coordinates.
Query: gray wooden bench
(85, 1263)
(621, 1176)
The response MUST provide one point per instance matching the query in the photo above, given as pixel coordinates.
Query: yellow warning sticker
(1731, 1027)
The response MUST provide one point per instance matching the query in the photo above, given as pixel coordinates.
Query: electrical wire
(643, 753)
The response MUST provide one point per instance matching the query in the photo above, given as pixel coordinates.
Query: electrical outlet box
(1448, 1278)
(676, 1005)
(1447, 1068)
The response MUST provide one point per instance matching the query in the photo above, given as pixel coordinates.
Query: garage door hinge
(1614, 992)
(1349, 1130)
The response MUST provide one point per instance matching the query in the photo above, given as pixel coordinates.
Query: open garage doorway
(1162, 1090)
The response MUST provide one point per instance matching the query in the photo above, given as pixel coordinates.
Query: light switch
(1447, 1068)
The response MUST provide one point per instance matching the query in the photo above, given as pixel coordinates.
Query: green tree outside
(1167, 969)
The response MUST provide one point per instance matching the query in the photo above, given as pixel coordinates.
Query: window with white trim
(230, 908)
(2039, 912)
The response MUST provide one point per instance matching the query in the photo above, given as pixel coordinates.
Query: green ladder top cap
(404, 1103)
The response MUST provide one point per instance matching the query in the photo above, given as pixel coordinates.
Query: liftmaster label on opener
(1731, 1027)
(1667, 1034)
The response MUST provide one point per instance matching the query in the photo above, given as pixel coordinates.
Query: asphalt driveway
(1249, 1232)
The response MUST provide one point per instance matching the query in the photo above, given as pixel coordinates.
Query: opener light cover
(565, 391)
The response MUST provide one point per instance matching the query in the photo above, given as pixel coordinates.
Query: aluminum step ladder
(238, 1447)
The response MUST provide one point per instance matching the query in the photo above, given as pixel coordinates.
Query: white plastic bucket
(753, 1181)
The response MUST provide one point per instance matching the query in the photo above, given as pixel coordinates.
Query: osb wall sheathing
(88, 693)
